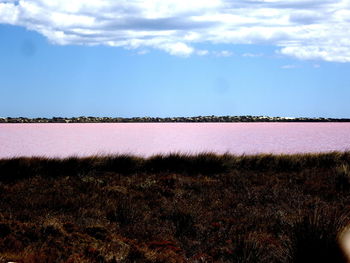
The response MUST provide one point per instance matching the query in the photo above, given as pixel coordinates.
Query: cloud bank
(304, 29)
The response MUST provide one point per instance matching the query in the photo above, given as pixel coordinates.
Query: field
(175, 208)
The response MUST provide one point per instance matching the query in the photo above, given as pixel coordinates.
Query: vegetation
(175, 208)
(212, 118)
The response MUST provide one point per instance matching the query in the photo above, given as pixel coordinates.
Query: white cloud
(289, 66)
(142, 52)
(327, 53)
(202, 52)
(179, 49)
(223, 53)
(304, 29)
(8, 13)
(252, 55)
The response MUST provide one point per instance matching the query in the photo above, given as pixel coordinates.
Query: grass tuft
(315, 237)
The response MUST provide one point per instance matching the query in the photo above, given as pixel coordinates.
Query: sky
(165, 58)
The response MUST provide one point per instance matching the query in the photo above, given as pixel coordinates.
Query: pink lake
(145, 139)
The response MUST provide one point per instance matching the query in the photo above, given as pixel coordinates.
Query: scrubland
(175, 208)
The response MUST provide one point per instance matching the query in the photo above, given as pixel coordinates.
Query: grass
(175, 208)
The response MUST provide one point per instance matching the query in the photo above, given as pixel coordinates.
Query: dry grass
(175, 208)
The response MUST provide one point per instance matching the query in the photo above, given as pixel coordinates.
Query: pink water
(62, 140)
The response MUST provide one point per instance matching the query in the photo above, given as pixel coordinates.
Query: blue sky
(286, 58)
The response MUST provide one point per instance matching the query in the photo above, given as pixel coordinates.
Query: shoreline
(205, 119)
